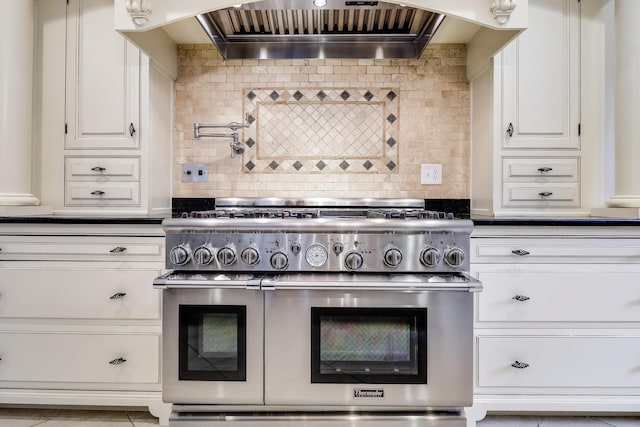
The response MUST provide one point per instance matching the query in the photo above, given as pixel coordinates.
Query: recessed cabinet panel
(541, 93)
(68, 357)
(102, 168)
(102, 193)
(540, 170)
(103, 80)
(77, 293)
(579, 362)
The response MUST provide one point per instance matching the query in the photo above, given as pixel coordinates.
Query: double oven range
(317, 312)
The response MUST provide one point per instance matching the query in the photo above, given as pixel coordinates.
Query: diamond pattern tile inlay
(332, 130)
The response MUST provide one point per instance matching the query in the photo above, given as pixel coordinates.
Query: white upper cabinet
(102, 80)
(541, 79)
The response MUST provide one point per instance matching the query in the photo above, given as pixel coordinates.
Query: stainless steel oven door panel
(448, 357)
(249, 391)
(319, 420)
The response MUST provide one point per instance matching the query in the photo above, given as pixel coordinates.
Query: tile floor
(18, 417)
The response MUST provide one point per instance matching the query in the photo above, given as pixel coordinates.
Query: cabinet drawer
(81, 248)
(68, 357)
(78, 293)
(550, 294)
(540, 170)
(102, 193)
(556, 251)
(102, 168)
(558, 361)
(541, 195)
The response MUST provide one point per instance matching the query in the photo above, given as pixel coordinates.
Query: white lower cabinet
(557, 324)
(80, 322)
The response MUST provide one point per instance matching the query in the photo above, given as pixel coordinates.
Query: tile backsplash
(324, 128)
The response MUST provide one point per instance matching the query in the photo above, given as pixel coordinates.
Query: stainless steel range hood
(297, 29)
(286, 29)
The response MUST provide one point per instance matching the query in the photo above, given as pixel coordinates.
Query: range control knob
(353, 261)
(250, 256)
(430, 257)
(203, 255)
(392, 257)
(454, 257)
(226, 256)
(337, 248)
(179, 255)
(279, 261)
(296, 248)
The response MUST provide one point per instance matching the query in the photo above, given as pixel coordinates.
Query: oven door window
(369, 345)
(212, 343)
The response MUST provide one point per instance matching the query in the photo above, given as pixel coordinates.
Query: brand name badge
(368, 393)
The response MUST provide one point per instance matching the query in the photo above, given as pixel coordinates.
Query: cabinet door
(103, 80)
(540, 79)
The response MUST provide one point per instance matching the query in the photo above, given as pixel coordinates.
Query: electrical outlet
(195, 172)
(431, 174)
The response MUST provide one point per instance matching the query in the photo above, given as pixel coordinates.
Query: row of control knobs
(226, 256)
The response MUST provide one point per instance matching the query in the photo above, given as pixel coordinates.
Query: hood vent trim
(346, 29)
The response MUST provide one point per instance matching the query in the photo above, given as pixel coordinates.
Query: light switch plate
(195, 172)
(431, 174)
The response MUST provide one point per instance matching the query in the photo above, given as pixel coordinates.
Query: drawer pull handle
(510, 130)
(545, 194)
(97, 193)
(118, 361)
(520, 252)
(132, 130)
(545, 170)
(118, 250)
(519, 365)
(99, 169)
(118, 295)
(520, 298)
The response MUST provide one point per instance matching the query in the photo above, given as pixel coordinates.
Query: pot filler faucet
(236, 145)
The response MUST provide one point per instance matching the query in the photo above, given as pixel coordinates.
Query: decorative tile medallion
(327, 130)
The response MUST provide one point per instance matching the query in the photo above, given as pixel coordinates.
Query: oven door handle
(200, 281)
(273, 283)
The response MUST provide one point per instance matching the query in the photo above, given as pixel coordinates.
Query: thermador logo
(368, 393)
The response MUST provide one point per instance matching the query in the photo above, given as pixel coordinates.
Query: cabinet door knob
(520, 365)
(521, 298)
(520, 252)
(132, 130)
(510, 130)
(118, 295)
(544, 169)
(97, 193)
(545, 194)
(118, 250)
(118, 361)
(99, 169)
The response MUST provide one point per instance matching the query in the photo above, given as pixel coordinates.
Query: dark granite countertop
(555, 222)
(57, 219)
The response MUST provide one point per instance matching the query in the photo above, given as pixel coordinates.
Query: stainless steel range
(317, 312)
